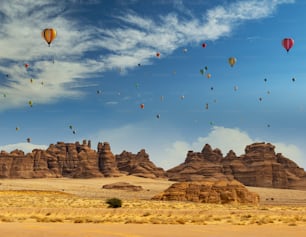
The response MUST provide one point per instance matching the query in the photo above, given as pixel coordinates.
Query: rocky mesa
(76, 160)
(260, 166)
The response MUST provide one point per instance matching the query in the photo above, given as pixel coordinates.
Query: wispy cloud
(69, 60)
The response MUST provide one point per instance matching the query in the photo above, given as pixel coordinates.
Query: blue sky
(110, 47)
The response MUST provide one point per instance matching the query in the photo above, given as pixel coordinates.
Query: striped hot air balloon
(49, 34)
(287, 43)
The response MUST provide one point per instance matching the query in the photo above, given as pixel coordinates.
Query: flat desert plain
(76, 207)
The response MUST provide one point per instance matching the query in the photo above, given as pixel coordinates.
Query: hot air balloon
(204, 45)
(158, 116)
(17, 128)
(287, 43)
(265, 79)
(232, 61)
(202, 71)
(98, 91)
(206, 106)
(142, 106)
(208, 75)
(26, 65)
(49, 34)
(74, 131)
(235, 88)
(158, 54)
(185, 50)
(293, 79)
(28, 140)
(182, 97)
(30, 103)
(31, 80)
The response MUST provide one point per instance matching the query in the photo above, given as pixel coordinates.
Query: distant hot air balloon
(49, 34)
(31, 80)
(206, 106)
(28, 140)
(293, 79)
(70, 126)
(185, 50)
(182, 97)
(98, 91)
(158, 116)
(142, 106)
(74, 131)
(158, 54)
(30, 103)
(208, 75)
(26, 65)
(202, 71)
(287, 43)
(17, 128)
(232, 61)
(265, 79)
(204, 45)
(235, 88)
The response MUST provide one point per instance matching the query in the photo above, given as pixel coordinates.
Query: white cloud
(226, 139)
(135, 41)
(170, 151)
(26, 147)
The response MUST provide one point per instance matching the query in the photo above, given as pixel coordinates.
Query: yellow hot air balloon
(49, 34)
(232, 61)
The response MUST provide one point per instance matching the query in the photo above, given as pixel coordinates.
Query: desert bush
(114, 202)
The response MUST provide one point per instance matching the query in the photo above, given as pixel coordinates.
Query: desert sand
(76, 207)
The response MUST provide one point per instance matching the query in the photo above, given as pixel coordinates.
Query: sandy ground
(146, 230)
(77, 207)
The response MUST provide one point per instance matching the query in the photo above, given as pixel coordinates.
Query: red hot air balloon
(158, 54)
(288, 43)
(204, 45)
(142, 106)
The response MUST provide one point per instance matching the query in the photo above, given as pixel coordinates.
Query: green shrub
(114, 202)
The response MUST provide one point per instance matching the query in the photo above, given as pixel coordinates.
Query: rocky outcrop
(107, 160)
(123, 186)
(220, 192)
(260, 166)
(138, 165)
(73, 160)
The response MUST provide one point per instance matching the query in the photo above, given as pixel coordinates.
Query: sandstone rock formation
(220, 192)
(74, 160)
(123, 186)
(107, 160)
(138, 165)
(260, 166)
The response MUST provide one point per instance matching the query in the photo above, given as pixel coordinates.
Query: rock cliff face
(73, 160)
(138, 165)
(260, 166)
(220, 192)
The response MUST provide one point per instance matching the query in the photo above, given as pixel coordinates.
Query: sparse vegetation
(77, 207)
(114, 202)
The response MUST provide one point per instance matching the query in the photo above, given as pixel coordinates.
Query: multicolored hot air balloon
(287, 43)
(49, 34)
(232, 61)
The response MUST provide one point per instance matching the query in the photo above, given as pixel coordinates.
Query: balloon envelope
(232, 61)
(49, 35)
(287, 43)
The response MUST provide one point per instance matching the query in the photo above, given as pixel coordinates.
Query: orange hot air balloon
(287, 43)
(49, 34)
(142, 106)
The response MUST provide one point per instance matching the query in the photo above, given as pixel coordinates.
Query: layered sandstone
(220, 192)
(138, 165)
(260, 166)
